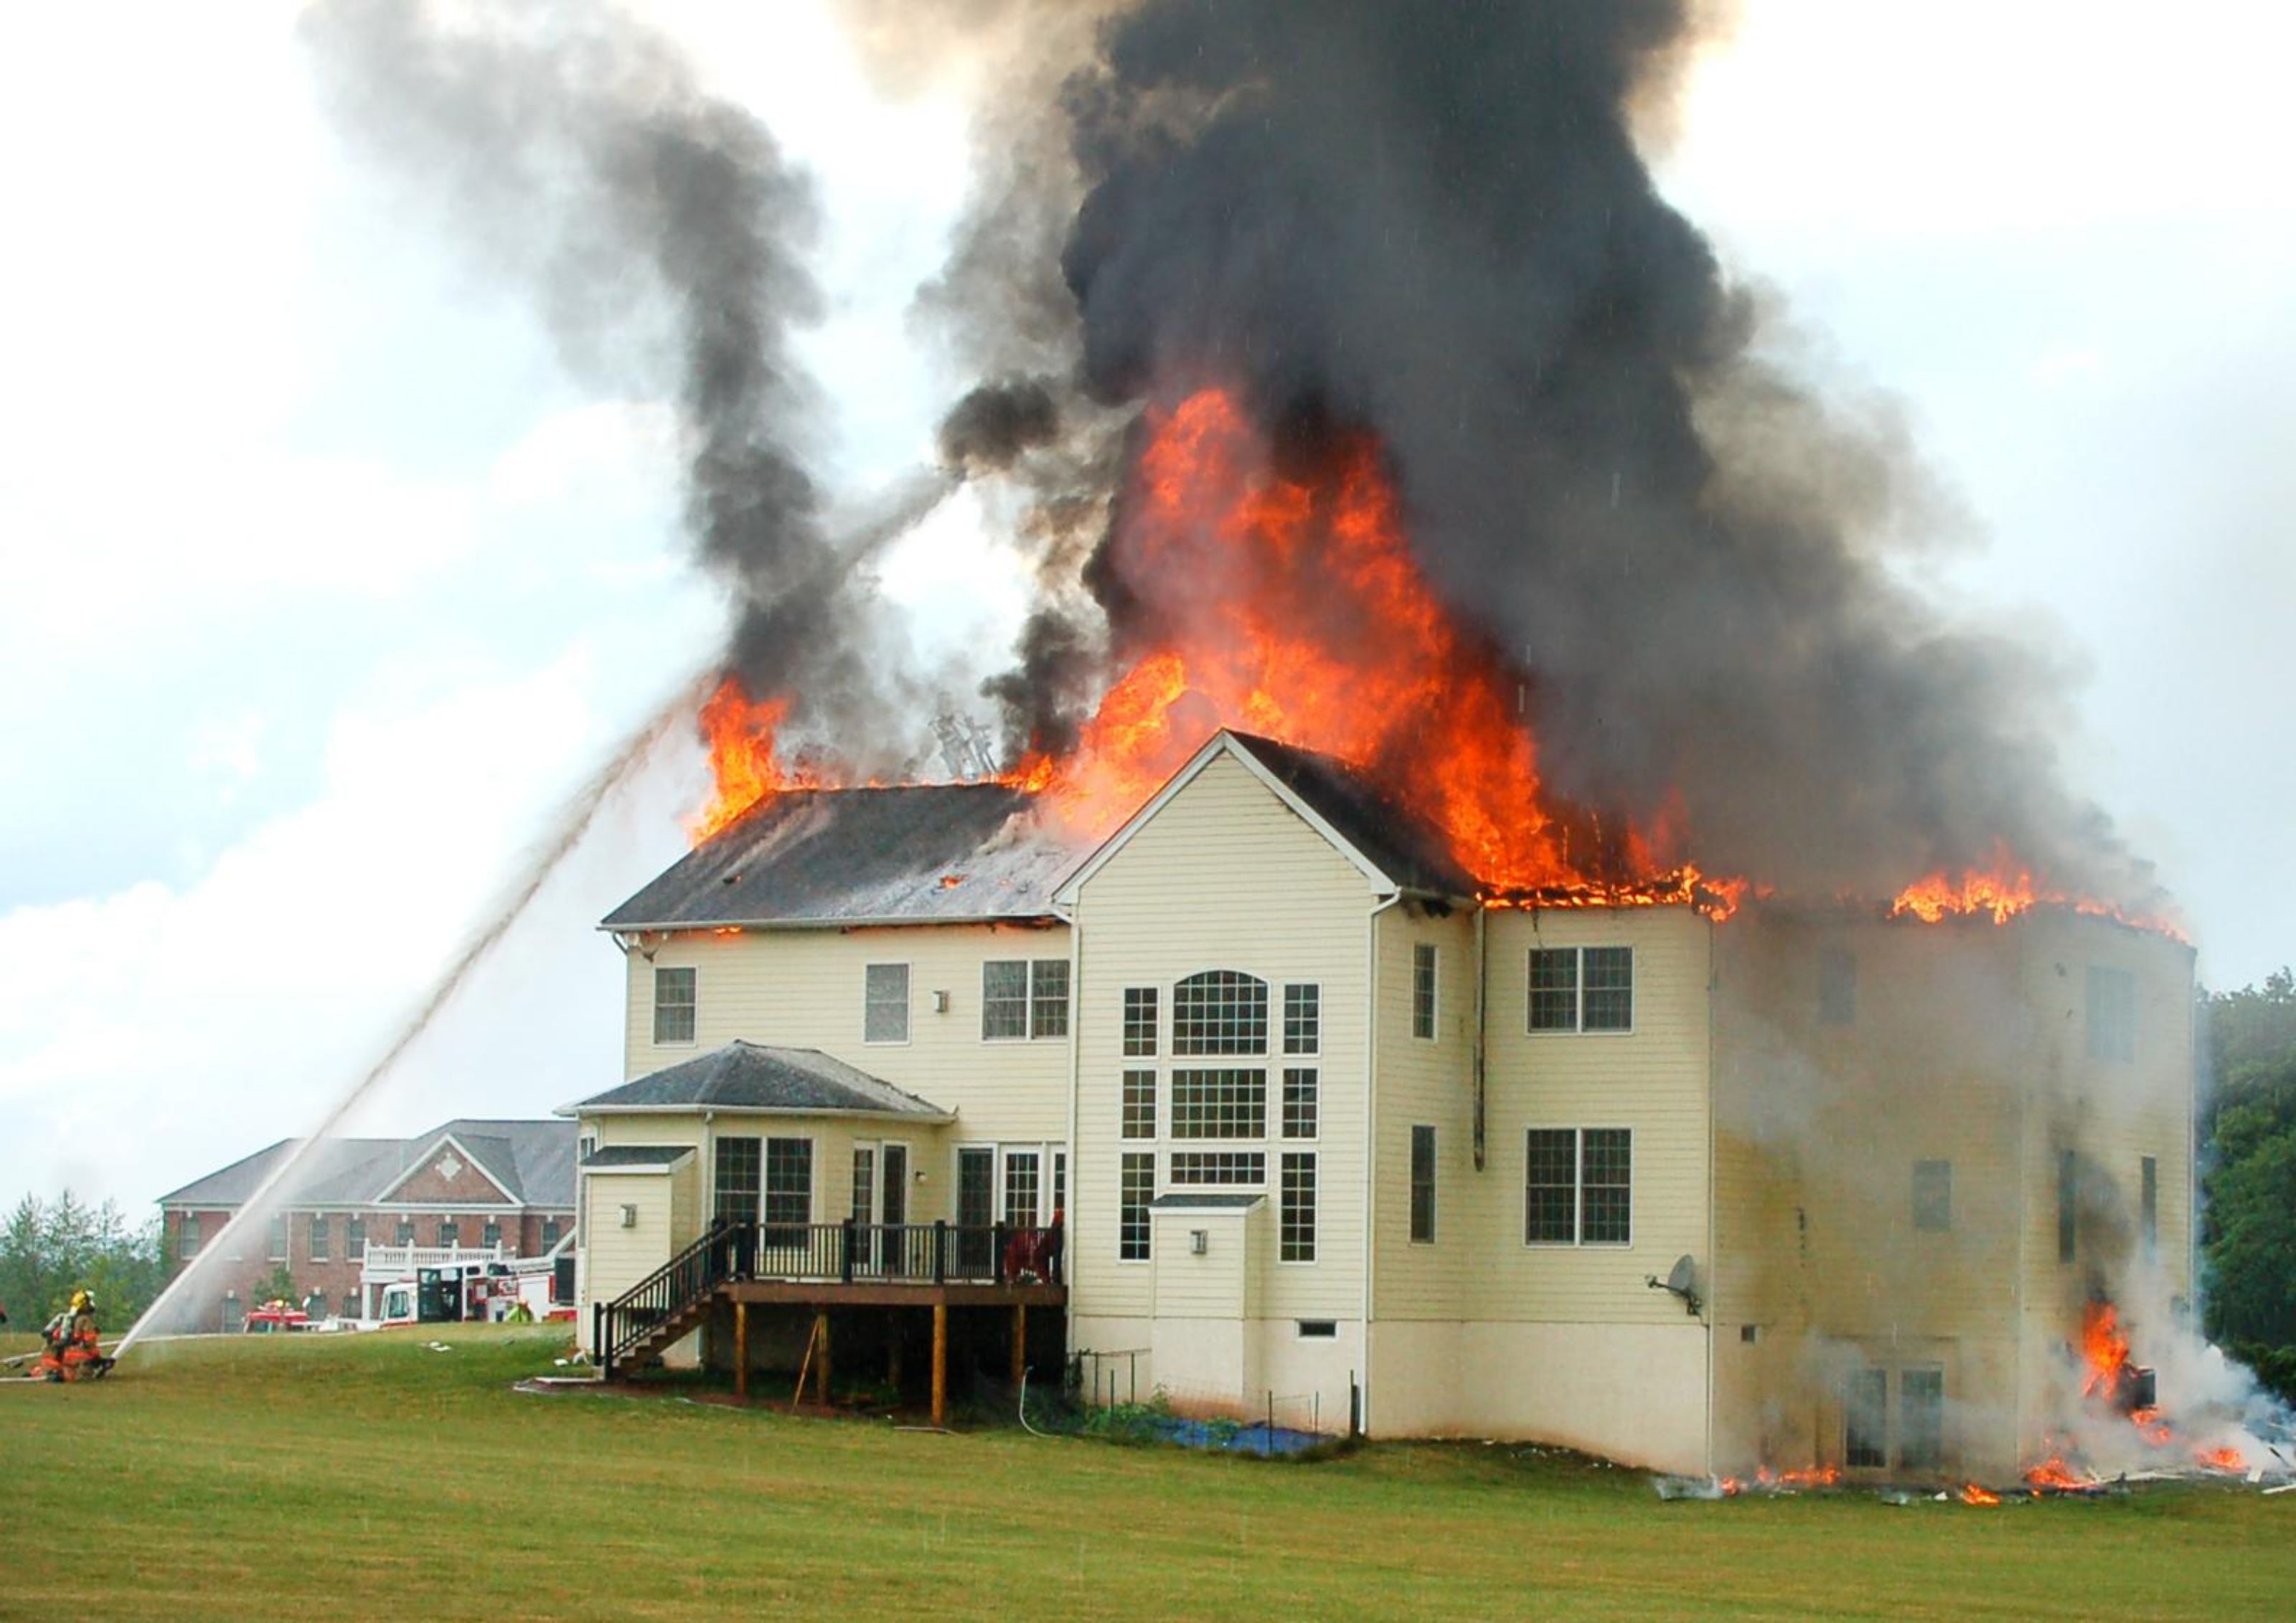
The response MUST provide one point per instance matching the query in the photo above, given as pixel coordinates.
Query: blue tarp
(1260, 1439)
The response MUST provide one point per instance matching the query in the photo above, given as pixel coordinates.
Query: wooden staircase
(646, 1351)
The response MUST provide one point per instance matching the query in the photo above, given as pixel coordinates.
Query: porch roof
(744, 1075)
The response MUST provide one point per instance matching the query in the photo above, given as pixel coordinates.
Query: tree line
(2248, 1176)
(49, 1249)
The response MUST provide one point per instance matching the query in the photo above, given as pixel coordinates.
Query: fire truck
(491, 1293)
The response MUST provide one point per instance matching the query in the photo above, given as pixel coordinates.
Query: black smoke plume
(1433, 223)
(663, 231)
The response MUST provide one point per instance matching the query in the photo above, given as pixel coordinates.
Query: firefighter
(72, 1353)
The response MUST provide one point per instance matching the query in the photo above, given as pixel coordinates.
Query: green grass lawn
(370, 1477)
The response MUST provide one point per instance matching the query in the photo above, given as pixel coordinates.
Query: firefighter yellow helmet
(82, 1301)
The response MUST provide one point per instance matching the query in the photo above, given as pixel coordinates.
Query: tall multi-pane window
(1139, 1104)
(788, 1187)
(1295, 1214)
(1023, 1186)
(355, 1244)
(1837, 987)
(1219, 1012)
(1865, 1419)
(551, 1234)
(1921, 1418)
(1579, 1187)
(275, 1239)
(2111, 1015)
(1932, 1197)
(1422, 989)
(1024, 998)
(1422, 1186)
(402, 1233)
(1139, 1021)
(864, 1184)
(1224, 1104)
(317, 1240)
(1582, 989)
(1299, 1089)
(188, 1235)
(2068, 1205)
(1048, 998)
(1135, 1188)
(739, 1180)
(2148, 1204)
(450, 1234)
(673, 1006)
(1303, 1017)
(491, 1234)
(885, 1004)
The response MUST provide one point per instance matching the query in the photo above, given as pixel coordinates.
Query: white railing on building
(389, 1262)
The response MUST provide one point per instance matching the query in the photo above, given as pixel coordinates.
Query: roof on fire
(927, 852)
(752, 1076)
(533, 1162)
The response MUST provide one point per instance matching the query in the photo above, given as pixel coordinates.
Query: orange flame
(2222, 1459)
(2004, 890)
(2104, 1349)
(2053, 1475)
(744, 763)
(1971, 1494)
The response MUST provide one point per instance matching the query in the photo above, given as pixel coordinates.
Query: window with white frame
(403, 1231)
(1920, 1417)
(1139, 1021)
(1422, 989)
(450, 1234)
(1229, 1103)
(1422, 1186)
(885, 1004)
(1295, 1213)
(1135, 1188)
(738, 1181)
(275, 1239)
(1579, 1187)
(189, 1233)
(1303, 1017)
(1582, 989)
(1139, 1104)
(1865, 1420)
(1300, 1090)
(316, 1241)
(1200, 1166)
(1023, 998)
(550, 1234)
(1219, 1012)
(491, 1234)
(355, 1243)
(673, 1004)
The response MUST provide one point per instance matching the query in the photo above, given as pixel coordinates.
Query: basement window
(1318, 1329)
(885, 1004)
(1865, 1419)
(1422, 1186)
(1422, 989)
(1136, 1187)
(1932, 1197)
(1299, 1091)
(673, 1006)
(1582, 989)
(1579, 1187)
(1022, 998)
(2112, 1015)
(1295, 1216)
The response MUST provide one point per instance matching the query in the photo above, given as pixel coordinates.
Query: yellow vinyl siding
(1427, 1083)
(804, 988)
(1225, 877)
(1651, 1080)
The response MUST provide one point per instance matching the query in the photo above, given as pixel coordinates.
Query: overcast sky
(326, 587)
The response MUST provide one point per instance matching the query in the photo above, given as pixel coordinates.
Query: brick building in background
(469, 1191)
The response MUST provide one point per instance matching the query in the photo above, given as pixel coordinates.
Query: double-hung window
(1422, 1186)
(1579, 1187)
(2112, 1015)
(1582, 989)
(1422, 989)
(885, 1004)
(1023, 998)
(316, 1244)
(789, 1190)
(1137, 1187)
(673, 1006)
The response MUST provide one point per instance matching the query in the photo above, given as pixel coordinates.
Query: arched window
(1219, 1012)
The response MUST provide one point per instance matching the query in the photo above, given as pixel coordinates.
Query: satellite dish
(1682, 1279)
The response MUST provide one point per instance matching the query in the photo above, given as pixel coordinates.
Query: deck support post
(821, 1380)
(893, 1351)
(1020, 1342)
(940, 1364)
(741, 1350)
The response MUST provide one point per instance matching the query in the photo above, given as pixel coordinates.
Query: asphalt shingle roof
(1409, 852)
(610, 1156)
(533, 1159)
(751, 1075)
(922, 851)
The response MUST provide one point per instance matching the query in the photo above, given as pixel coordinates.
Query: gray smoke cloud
(1434, 224)
(662, 232)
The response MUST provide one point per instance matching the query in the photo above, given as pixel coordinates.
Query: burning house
(1706, 1188)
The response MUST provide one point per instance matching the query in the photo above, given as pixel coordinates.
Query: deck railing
(825, 1253)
